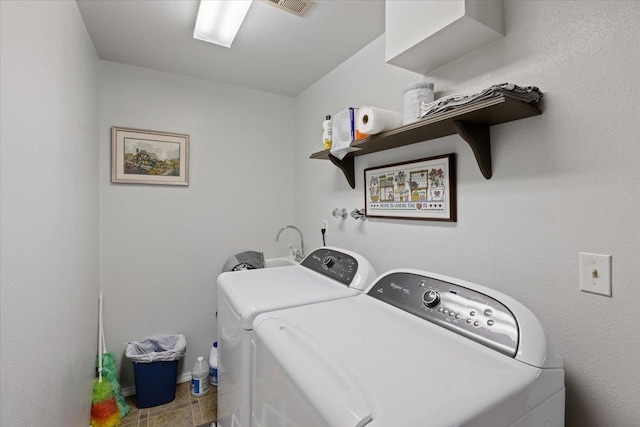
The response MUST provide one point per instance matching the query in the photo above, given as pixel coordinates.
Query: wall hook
(340, 213)
(358, 214)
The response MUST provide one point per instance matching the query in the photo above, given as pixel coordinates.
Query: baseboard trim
(182, 378)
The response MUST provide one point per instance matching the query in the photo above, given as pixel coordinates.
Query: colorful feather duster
(110, 372)
(104, 408)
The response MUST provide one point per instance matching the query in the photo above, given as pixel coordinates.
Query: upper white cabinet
(423, 35)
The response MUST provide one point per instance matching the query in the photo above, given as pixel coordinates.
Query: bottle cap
(200, 359)
(328, 117)
(215, 344)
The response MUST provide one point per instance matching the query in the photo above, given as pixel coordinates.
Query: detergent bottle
(199, 374)
(213, 364)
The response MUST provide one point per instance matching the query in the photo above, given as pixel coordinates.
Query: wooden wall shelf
(471, 122)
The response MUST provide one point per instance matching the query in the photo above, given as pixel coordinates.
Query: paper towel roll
(372, 120)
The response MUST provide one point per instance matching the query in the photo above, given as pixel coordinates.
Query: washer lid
(474, 311)
(250, 293)
(465, 311)
(410, 371)
(325, 274)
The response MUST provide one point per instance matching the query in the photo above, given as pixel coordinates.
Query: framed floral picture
(149, 157)
(422, 189)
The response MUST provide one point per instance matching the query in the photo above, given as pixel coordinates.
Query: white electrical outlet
(325, 225)
(595, 273)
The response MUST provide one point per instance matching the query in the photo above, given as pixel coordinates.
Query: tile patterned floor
(184, 411)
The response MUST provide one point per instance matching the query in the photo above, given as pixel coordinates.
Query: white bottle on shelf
(326, 133)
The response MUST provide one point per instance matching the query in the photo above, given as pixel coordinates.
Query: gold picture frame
(142, 156)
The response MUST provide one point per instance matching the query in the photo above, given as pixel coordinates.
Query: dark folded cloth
(248, 260)
(528, 94)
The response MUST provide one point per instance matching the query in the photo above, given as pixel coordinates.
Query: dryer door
(297, 383)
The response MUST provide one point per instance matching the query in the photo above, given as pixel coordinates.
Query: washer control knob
(328, 261)
(431, 298)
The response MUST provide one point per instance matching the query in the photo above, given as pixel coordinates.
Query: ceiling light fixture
(219, 21)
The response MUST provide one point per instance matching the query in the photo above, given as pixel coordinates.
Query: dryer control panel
(462, 310)
(334, 264)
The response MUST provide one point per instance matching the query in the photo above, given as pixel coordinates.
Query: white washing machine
(325, 274)
(416, 350)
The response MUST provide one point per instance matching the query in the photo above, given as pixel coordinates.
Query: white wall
(161, 247)
(563, 182)
(49, 225)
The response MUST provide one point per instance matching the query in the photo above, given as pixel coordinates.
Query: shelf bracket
(347, 167)
(477, 136)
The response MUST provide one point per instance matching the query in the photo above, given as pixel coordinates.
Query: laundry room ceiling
(274, 51)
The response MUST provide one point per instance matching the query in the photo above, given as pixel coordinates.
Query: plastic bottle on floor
(213, 364)
(199, 375)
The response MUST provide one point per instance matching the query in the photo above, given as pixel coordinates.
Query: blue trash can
(155, 368)
(155, 383)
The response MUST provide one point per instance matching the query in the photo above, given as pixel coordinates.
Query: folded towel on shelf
(528, 94)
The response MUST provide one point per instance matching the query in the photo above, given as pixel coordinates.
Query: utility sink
(284, 261)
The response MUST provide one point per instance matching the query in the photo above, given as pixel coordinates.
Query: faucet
(299, 254)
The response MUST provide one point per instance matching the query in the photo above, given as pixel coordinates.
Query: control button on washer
(328, 261)
(476, 323)
(490, 322)
(431, 298)
(451, 313)
(488, 312)
(458, 316)
(440, 309)
(469, 320)
(473, 313)
(445, 311)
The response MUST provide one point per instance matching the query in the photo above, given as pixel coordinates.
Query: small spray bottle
(326, 133)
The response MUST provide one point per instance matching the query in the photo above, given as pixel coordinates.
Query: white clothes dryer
(416, 350)
(325, 274)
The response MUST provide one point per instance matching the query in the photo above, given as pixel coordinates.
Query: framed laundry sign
(149, 157)
(422, 189)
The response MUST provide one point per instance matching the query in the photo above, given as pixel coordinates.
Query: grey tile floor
(184, 411)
